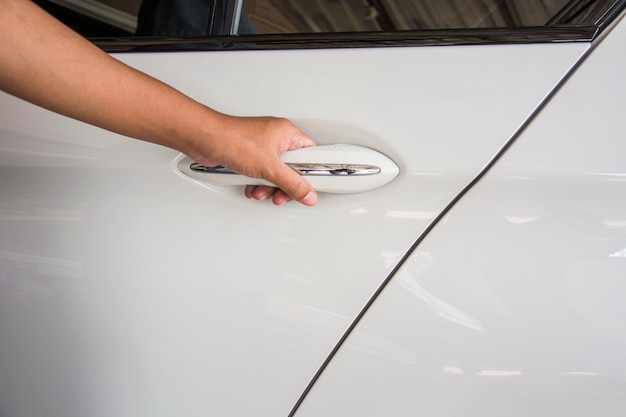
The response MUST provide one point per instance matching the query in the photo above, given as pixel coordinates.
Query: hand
(252, 146)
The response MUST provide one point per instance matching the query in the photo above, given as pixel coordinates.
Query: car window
(93, 18)
(324, 16)
(244, 18)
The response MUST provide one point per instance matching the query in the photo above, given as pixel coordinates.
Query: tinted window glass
(297, 16)
(95, 18)
(201, 18)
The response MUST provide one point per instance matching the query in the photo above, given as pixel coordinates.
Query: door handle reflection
(304, 169)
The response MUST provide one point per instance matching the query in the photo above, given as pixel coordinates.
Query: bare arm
(48, 64)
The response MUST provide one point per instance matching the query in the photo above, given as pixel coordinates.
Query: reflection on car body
(485, 279)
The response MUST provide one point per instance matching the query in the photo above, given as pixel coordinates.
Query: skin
(47, 64)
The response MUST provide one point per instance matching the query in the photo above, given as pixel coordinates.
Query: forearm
(57, 69)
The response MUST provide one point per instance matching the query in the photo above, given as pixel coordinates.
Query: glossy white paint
(127, 290)
(514, 304)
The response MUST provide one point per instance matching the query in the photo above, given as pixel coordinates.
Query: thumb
(292, 184)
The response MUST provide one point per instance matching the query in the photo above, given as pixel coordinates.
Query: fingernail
(310, 199)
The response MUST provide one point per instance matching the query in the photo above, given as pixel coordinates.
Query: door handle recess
(339, 169)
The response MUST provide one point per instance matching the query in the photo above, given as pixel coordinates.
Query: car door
(514, 304)
(130, 289)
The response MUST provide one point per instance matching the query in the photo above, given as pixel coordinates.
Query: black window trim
(559, 30)
(581, 33)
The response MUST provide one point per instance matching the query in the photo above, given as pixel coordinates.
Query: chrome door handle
(303, 169)
(331, 168)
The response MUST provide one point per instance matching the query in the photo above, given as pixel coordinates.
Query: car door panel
(514, 304)
(152, 294)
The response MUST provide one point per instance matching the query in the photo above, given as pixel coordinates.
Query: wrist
(201, 136)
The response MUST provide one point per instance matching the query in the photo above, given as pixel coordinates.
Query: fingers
(301, 141)
(290, 186)
(259, 192)
(280, 197)
(263, 193)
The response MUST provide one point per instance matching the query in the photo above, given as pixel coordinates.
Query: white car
(486, 277)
